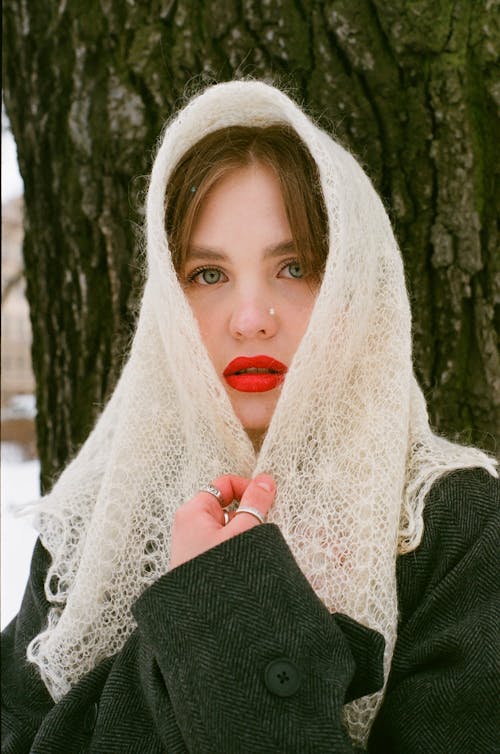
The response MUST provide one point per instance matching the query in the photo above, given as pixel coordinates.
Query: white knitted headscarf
(349, 443)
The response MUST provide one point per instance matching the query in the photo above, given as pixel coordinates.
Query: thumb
(259, 495)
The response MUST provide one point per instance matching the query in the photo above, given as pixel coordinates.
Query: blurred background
(20, 466)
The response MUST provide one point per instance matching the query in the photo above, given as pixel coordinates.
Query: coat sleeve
(443, 691)
(25, 699)
(251, 658)
(233, 653)
(107, 711)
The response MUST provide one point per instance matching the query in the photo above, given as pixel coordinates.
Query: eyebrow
(274, 250)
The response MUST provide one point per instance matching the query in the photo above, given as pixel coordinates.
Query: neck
(256, 438)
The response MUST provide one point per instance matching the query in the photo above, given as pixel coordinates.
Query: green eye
(210, 277)
(206, 276)
(295, 270)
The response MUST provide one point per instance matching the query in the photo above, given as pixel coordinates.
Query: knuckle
(256, 495)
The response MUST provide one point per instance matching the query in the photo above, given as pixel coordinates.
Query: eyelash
(194, 274)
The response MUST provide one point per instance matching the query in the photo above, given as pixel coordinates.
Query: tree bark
(409, 88)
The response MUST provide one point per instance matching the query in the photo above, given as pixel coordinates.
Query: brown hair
(220, 152)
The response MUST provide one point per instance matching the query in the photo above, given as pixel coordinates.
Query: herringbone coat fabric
(192, 677)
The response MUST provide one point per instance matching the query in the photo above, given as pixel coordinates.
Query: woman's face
(245, 286)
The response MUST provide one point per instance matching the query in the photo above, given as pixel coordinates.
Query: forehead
(244, 207)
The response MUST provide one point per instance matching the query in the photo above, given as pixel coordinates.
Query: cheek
(211, 327)
(298, 316)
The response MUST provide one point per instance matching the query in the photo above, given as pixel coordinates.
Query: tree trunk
(409, 88)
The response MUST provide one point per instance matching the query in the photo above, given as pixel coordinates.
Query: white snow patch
(12, 183)
(20, 484)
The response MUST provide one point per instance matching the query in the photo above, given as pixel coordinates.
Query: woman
(271, 367)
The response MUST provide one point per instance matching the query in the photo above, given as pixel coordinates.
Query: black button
(90, 718)
(282, 677)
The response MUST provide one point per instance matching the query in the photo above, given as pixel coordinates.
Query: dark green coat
(235, 653)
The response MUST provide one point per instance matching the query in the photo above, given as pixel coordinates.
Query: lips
(254, 374)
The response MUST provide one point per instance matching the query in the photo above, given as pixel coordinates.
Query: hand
(199, 523)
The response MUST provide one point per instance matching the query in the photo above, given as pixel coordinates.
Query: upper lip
(254, 362)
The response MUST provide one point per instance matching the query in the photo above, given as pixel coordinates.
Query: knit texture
(349, 443)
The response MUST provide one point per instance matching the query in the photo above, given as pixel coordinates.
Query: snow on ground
(12, 183)
(20, 483)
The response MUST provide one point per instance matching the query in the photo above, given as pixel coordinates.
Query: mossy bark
(409, 88)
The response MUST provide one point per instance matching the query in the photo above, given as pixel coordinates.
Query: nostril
(253, 320)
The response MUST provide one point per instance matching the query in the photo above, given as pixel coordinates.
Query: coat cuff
(251, 587)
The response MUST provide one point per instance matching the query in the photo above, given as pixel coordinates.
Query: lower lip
(254, 383)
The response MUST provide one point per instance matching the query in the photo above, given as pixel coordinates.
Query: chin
(254, 413)
(254, 426)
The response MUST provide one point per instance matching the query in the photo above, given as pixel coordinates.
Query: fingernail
(265, 486)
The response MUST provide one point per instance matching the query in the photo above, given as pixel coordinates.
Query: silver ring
(226, 517)
(252, 511)
(215, 491)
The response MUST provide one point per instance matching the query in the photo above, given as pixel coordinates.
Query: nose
(253, 319)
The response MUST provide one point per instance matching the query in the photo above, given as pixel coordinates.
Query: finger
(260, 495)
(231, 487)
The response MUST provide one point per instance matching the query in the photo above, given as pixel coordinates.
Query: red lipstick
(254, 374)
